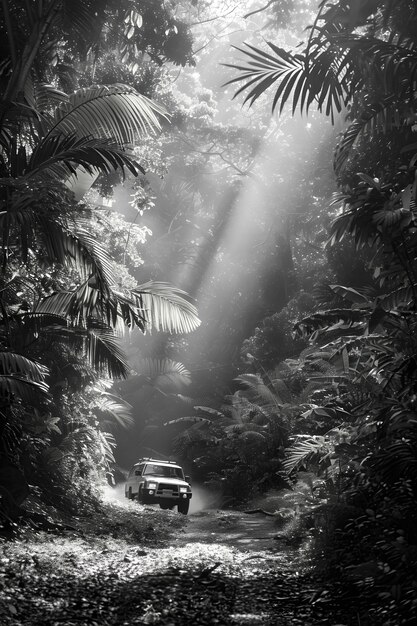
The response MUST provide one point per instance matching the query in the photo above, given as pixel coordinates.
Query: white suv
(153, 481)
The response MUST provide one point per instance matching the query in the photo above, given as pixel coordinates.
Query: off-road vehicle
(153, 481)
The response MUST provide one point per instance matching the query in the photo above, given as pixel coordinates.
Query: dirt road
(222, 568)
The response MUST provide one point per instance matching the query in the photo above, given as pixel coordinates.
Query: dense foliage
(360, 61)
(306, 357)
(64, 300)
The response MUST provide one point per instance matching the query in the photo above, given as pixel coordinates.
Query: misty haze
(208, 312)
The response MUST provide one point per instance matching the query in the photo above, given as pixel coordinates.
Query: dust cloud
(202, 499)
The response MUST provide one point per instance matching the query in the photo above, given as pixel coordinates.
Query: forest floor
(139, 565)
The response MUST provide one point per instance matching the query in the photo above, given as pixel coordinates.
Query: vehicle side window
(139, 470)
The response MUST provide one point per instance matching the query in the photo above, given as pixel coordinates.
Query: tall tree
(61, 307)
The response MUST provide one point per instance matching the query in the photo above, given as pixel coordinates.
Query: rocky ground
(139, 565)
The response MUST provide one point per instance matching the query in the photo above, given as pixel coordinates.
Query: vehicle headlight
(151, 485)
(183, 489)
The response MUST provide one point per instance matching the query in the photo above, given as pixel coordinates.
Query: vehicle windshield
(163, 470)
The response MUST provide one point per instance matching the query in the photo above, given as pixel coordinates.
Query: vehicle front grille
(167, 487)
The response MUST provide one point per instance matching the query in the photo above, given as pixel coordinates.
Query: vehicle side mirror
(188, 478)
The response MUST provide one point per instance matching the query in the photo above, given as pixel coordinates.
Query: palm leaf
(30, 392)
(62, 155)
(36, 226)
(308, 77)
(304, 451)
(254, 383)
(161, 371)
(166, 308)
(104, 353)
(113, 308)
(117, 112)
(107, 444)
(257, 429)
(193, 419)
(47, 96)
(210, 411)
(118, 409)
(378, 117)
(16, 364)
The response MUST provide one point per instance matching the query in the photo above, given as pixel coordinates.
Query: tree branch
(260, 10)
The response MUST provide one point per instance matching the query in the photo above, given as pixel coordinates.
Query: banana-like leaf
(403, 296)
(117, 112)
(166, 308)
(350, 294)
(331, 320)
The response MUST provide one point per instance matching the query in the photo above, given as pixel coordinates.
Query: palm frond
(210, 411)
(160, 372)
(104, 354)
(192, 419)
(238, 429)
(307, 449)
(257, 386)
(117, 112)
(47, 96)
(63, 155)
(80, 250)
(16, 388)
(33, 219)
(378, 117)
(107, 444)
(19, 365)
(166, 308)
(116, 407)
(306, 77)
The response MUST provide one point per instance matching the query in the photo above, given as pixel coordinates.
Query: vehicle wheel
(164, 506)
(183, 506)
(129, 494)
(140, 495)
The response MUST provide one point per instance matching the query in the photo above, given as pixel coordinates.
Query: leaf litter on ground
(127, 564)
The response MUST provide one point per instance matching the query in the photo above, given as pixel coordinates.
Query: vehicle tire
(129, 494)
(164, 506)
(140, 495)
(183, 506)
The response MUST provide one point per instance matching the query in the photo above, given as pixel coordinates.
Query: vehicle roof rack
(149, 460)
